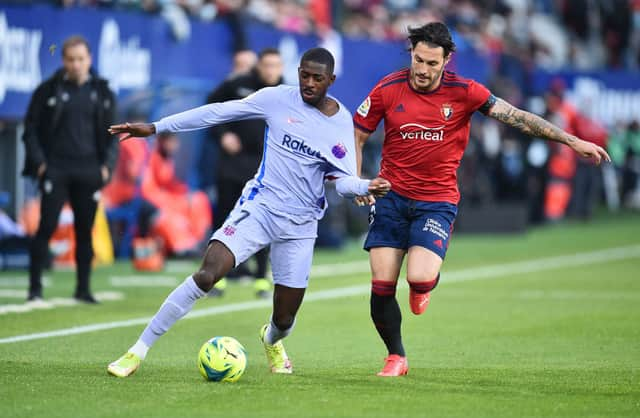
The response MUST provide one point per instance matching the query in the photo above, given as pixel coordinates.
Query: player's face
(427, 66)
(270, 69)
(314, 79)
(77, 62)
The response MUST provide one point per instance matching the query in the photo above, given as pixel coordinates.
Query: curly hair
(434, 33)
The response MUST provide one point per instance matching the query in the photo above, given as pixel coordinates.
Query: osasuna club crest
(447, 111)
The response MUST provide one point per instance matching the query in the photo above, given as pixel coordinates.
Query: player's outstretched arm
(534, 125)
(254, 106)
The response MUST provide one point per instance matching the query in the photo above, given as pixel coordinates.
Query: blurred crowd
(584, 34)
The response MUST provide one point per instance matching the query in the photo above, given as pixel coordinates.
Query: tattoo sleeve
(528, 123)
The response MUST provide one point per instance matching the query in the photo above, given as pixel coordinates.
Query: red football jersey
(425, 133)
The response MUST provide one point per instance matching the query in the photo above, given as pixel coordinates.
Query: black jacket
(243, 165)
(43, 116)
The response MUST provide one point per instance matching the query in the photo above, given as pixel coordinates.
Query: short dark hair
(268, 51)
(74, 40)
(434, 33)
(320, 56)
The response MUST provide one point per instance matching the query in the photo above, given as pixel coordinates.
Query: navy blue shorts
(399, 222)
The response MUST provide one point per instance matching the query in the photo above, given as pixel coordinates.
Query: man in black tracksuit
(71, 153)
(241, 144)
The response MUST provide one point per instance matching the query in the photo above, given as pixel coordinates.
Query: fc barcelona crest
(447, 111)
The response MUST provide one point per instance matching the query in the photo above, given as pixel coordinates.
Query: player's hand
(139, 130)
(590, 150)
(231, 143)
(367, 200)
(379, 187)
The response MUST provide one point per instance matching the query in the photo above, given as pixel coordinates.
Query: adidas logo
(399, 108)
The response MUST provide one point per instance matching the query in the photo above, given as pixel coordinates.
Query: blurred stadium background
(573, 61)
(549, 56)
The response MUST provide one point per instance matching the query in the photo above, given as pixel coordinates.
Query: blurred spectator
(241, 145)
(243, 62)
(184, 216)
(562, 160)
(70, 152)
(129, 214)
(631, 170)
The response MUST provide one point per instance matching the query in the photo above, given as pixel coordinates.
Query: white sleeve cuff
(159, 126)
(352, 186)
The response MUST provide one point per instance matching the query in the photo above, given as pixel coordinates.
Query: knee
(205, 279)
(424, 276)
(423, 283)
(284, 322)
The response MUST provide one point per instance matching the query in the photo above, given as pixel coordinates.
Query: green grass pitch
(513, 330)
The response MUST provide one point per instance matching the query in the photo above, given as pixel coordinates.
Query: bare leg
(217, 261)
(286, 302)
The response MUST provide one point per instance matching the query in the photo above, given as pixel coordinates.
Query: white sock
(178, 304)
(140, 349)
(275, 334)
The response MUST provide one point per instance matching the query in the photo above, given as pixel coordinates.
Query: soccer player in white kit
(309, 139)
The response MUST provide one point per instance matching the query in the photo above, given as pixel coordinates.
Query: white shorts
(250, 227)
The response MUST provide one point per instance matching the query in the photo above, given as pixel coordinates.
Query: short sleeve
(477, 95)
(370, 112)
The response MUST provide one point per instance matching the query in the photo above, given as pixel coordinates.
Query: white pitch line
(13, 293)
(468, 274)
(143, 281)
(50, 303)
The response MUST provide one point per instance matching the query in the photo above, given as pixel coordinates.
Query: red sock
(383, 288)
(424, 287)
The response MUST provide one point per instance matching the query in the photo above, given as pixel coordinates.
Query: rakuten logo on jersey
(420, 132)
(299, 146)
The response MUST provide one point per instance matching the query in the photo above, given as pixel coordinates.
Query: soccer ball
(222, 359)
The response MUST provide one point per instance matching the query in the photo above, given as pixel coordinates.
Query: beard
(431, 82)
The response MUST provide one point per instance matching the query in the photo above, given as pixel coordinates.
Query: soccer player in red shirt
(427, 113)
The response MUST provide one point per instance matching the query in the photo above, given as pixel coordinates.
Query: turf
(561, 341)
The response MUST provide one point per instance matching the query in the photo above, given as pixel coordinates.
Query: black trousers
(78, 186)
(229, 191)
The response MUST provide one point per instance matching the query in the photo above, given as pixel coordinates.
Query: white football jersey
(302, 148)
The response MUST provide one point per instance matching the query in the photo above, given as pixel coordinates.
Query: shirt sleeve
(352, 186)
(341, 158)
(370, 112)
(341, 167)
(477, 95)
(254, 106)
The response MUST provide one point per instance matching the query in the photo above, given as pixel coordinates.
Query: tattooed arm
(534, 125)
